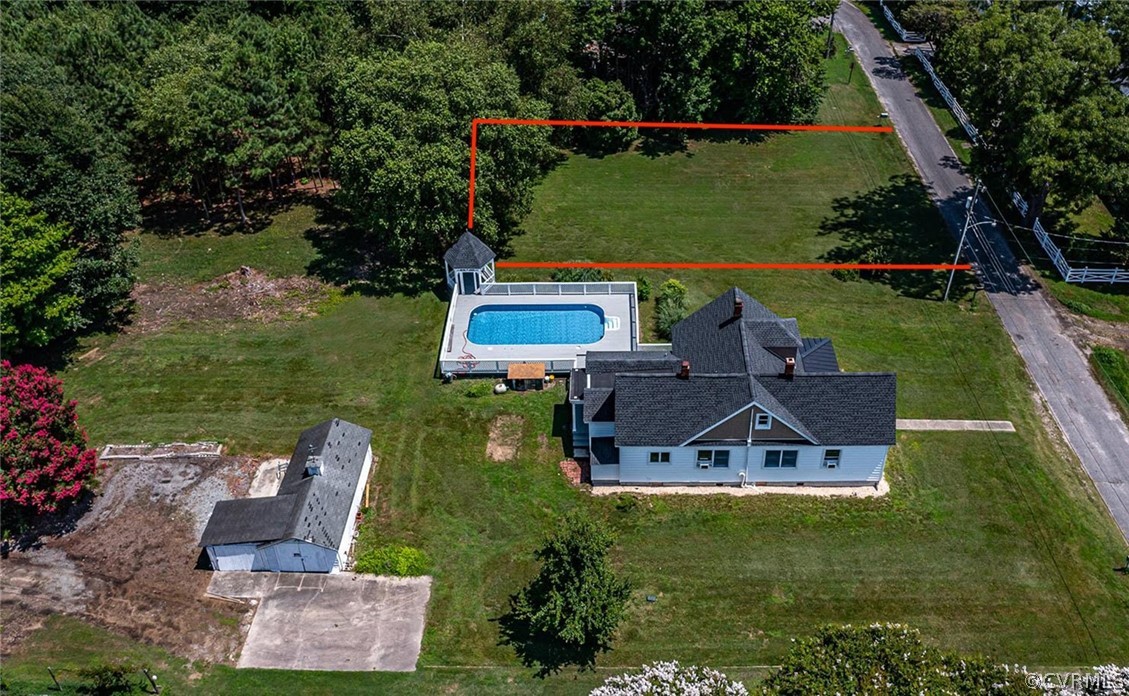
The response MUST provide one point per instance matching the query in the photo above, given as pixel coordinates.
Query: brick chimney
(684, 372)
(738, 308)
(789, 368)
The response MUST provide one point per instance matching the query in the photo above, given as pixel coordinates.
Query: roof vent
(684, 371)
(789, 368)
(738, 308)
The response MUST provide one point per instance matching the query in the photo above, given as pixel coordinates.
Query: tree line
(209, 105)
(1042, 82)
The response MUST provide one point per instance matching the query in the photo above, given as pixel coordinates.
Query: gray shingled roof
(598, 405)
(846, 408)
(663, 410)
(714, 341)
(736, 362)
(818, 355)
(313, 508)
(468, 252)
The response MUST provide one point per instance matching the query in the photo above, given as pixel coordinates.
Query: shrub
(672, 291)
(480, 389)
(403, 561)
(643, 288)
(581, 275)
(884, 658)
(671, 679)
(670, 307)
(44, 463)
(106, 679)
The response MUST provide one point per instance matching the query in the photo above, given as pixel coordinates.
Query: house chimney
(789, 368)
(684, 372)
(738, 308)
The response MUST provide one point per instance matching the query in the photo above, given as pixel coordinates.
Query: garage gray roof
(313, 508)
(468, 252)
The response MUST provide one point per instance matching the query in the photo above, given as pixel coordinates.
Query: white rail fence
(907, 36)
(1069, 273)
(954, 105)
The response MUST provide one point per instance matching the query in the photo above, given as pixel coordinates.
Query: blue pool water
(493, 325)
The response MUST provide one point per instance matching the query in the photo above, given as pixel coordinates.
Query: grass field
(1112, 368)
(990, 543)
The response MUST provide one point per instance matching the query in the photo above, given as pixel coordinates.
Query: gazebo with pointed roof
(469, 264)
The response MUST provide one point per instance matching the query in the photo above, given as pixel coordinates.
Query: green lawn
(990, 543)
(1112, 367)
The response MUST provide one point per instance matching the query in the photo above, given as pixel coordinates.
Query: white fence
(907, 36)
(954, 105)
(1061, 264)
(1068, 272)
(558, 289)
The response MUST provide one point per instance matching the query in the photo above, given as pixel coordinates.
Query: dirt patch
(505, 436)
(243, 295)
(130, 565)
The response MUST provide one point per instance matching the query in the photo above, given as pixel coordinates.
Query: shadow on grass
(183, 217)
(562, 427)
(892, 224)
(347, 256)
(540, 651)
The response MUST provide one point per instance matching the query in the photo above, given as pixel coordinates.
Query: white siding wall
(343, 550)
(856, 465)
(294, 556)
(232, 556)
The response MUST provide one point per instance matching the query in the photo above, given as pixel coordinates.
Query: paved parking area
(339, 622)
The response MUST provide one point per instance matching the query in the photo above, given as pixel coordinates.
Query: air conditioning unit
(832, 465)
(703, 465)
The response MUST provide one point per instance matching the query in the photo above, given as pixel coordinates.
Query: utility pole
(969, 206)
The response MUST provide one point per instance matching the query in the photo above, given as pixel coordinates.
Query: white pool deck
(457, 354)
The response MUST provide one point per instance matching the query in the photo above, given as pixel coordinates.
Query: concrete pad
(740, 491)
(338, 622)
(267, 479)
(988, 426)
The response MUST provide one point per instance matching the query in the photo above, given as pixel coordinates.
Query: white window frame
(699, 459)
(767, 424)
(728, 457)
(658, 457)
(780, 459)
(828, 459)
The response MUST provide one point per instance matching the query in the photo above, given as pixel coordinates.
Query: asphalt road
(1089, 420)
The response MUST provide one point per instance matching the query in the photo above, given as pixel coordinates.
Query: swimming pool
(493, 325)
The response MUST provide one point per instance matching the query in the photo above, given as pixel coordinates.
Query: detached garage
(308, 525)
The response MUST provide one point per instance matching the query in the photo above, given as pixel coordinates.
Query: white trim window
(831, 458)
(763, 422)
(717, 459)
(781, 459)
(658, 458)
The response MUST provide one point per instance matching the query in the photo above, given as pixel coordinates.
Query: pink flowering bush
(44, 462)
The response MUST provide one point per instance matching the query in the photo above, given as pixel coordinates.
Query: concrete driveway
(339, 622)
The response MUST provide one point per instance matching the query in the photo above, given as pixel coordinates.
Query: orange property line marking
(744, 266)
(643, 124)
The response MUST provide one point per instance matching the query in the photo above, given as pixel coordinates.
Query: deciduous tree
(570, 610)
(401, 152)
(36, 305)
(1037, 85)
